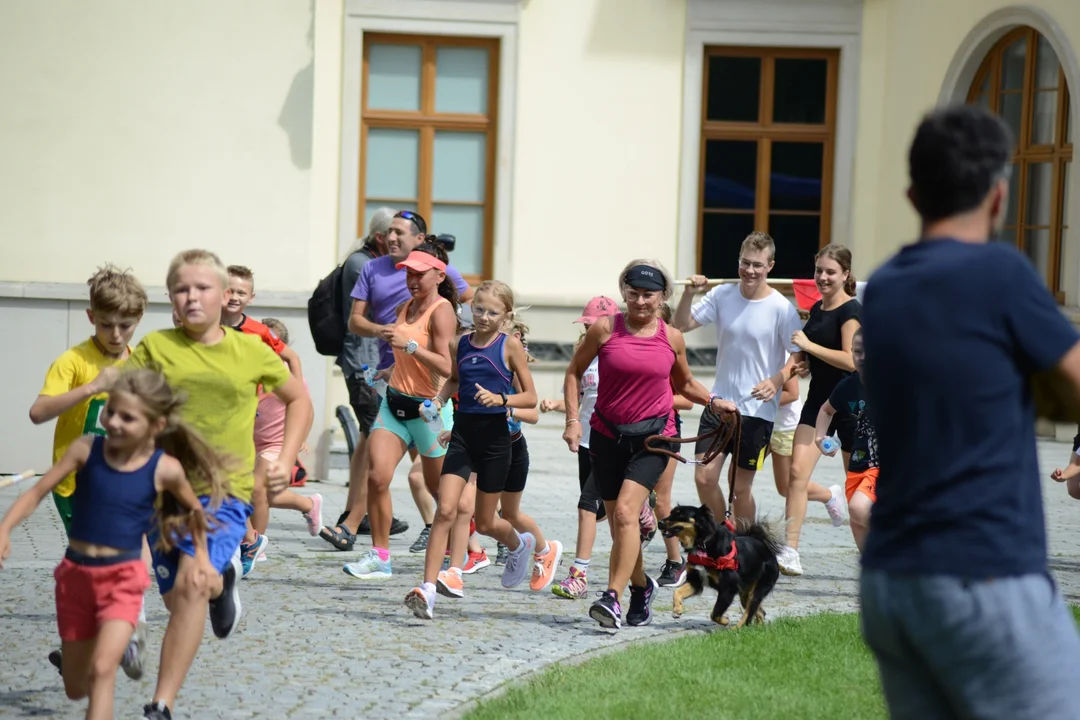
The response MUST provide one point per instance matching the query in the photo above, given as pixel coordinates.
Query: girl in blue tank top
(486, 363)
(101, 580)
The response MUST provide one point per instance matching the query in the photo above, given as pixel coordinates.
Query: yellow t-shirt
(221, 382)
(74, 368)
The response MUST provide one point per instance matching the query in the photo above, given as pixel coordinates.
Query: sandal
(339, 537)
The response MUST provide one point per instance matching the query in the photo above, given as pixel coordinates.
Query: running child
(101, 581)
(485, 363)
(1071, 474)
(221, 372)
(783, 435)
(75, 392)
(847, 404)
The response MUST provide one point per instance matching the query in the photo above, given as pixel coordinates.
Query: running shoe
(249, 552)
(57, 661)
(517, 561)
(450, 584)
(789, 561)
(421, 602)
(156, 711)
(607, 610)
(225, 609)
(396, 526)
(574, 587)
(502, 553)
(835, 506)
(646, 525)
(476, 561)
(641, 599)
(544, 567)
(132, 662)
(314, 518)
(672, 574)
(420, 543)
(370, 567)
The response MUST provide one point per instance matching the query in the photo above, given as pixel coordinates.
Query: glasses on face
(415, 219)
(747, 264)
(481, 312)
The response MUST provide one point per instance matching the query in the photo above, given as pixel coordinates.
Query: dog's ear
(706, 511)
(704, 525)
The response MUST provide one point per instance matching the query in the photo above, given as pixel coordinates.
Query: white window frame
(769, 23)
(468, 18)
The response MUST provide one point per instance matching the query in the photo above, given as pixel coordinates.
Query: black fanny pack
(634, 435)
(403, 407)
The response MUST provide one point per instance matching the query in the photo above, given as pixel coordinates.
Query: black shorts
(589, 500)
(843, 429)
(480, 443)
(754, 439)
(519, 465)
(364, 401)
(613, 462)
(1076, 440)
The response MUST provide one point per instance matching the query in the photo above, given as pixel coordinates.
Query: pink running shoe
(574, 587)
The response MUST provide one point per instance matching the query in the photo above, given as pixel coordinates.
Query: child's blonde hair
(113, 290)
(278, 328)
(244, 273)
(196, 257)
(500, 291)
(183, 442)
(517, 326)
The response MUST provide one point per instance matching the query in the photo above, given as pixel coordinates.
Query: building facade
(556, 139)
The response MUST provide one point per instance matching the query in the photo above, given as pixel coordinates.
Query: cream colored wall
(907, 48)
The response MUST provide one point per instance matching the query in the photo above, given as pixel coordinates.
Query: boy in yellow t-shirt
(220, 371)
(78, 381)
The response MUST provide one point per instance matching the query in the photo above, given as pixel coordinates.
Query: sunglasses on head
(415, 219)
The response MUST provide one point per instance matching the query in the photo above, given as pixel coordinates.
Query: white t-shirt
(787, 417)
(590, 381)
(753, 340)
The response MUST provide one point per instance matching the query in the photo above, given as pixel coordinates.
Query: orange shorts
(88, 595)
(864, 482)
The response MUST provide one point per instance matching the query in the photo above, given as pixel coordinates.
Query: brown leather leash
(730, 427)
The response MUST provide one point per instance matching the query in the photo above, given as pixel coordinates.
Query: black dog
(739, 562)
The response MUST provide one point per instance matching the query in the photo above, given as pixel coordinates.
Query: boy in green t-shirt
(221, 372)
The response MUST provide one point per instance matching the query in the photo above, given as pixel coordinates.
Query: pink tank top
(637, 379)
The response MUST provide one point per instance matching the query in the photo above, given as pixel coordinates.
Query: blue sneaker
(370, 567)
(250, 553)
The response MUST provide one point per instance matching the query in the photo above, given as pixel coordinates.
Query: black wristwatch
(503, 396)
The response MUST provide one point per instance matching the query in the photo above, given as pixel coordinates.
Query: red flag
(806, 293)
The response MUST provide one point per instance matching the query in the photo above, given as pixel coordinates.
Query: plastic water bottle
(830, 444)
(379, 386)
(430, 412)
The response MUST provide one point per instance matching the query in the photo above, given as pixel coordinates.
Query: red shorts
(864, 482)
(89, 595)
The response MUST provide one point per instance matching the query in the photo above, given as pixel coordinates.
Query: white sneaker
(517, 563)
(789, 562)
(132, 662)
(421, 602)
(835, 506)
(370, 567)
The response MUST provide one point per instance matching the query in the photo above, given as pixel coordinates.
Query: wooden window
(767, 133)
(1022, 81)
(427, 137)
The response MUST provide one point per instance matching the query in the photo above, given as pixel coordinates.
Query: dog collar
(724, 562)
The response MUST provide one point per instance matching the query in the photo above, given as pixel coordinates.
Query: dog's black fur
(756, 550)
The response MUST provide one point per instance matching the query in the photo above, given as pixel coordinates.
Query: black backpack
(326, 314)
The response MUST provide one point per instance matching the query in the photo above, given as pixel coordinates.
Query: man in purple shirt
(381, 286)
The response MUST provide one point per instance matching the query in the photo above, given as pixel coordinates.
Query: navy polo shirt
(953, 332)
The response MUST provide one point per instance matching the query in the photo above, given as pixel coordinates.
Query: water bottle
(430, 412)
(379, 386)
(830, 445)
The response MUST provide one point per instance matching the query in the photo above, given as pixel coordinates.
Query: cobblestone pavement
(315, 643)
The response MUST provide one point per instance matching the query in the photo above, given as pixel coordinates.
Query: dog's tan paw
(722, 620)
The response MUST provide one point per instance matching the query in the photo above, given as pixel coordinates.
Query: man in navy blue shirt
(957, 603)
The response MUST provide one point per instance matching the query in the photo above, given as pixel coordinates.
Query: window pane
(734, 88)
(984, 86)
(1014, 195)
(722, 235)
(1062, 279)
(795, 182)
(983, 101)
(1039, 186)
(1044, 118)
(1065, 195)
(394, 77)
(1011, 108)
(798, 238)
(467, 225)
(391, 164)
(799, 95)
(1046, 65)
(1007, 235)
(1012, 65)
(730, 174)
(1068, 119)
(371, 206)
(460, 166)
(1037, 248)
(461, 80)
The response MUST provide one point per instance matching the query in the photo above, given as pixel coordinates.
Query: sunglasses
(415, 219)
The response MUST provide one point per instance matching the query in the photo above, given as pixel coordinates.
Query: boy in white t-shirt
(754, 359)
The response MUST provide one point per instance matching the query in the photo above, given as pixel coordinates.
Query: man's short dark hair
(958, 153)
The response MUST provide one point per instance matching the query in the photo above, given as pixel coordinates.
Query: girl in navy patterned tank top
(102, 578)
(485, 365)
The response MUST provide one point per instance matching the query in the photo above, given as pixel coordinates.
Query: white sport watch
(411, 347)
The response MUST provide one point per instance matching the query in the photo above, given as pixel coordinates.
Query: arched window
(1022, 81)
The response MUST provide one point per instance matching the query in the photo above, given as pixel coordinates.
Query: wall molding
(158, 295)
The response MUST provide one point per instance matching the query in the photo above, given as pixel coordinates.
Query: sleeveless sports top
(483, 366)
(637, 378)
(113, 507)
(410, 376)
(513, 423)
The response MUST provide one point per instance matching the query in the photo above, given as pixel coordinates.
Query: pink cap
(598, 307)
(421, 262)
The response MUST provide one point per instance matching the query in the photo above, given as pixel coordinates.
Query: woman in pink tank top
(641, 359)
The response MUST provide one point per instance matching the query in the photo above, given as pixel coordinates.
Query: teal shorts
(416, 431)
